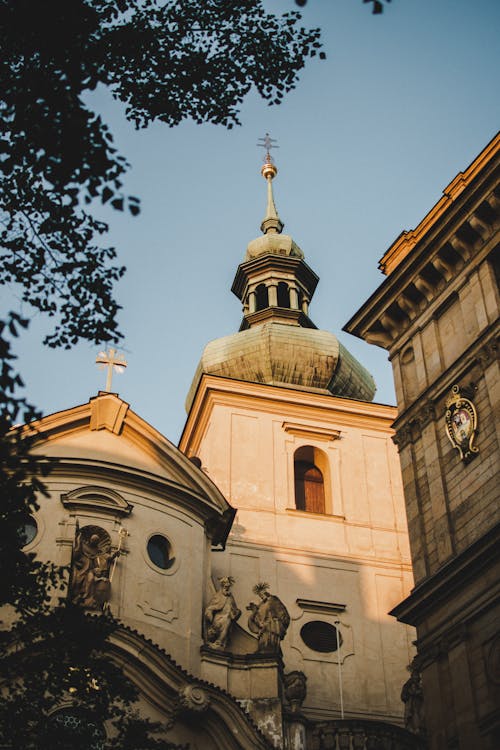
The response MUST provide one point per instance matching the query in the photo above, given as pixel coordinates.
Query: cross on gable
(111, 360)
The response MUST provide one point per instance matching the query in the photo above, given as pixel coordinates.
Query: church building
(258, 560)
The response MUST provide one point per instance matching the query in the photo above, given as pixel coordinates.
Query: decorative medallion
(194, 698)
(461, 424)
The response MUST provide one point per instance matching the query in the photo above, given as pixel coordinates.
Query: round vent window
(160, 552)
(29, 530)
(321, 636)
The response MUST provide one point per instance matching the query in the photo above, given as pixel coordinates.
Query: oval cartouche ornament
(461, 424)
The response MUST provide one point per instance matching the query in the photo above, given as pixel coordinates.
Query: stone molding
(463, 233)
(328, 608)
(316, 433)
(97, 499)
(463, 569)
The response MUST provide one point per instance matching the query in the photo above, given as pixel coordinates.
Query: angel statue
(220, 614)
(90, 567)
(269, 619)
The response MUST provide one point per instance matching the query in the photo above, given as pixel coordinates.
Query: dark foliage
(24, 582)
(167, 61)
(377, 5)
(63, 691)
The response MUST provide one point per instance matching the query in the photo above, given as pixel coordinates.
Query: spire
(271, 222)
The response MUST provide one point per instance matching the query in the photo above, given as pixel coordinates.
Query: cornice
(284, 402)
(311, 431)
(432, 594)
(351, 562)
(456, 625)
(286, 315)
(283, 263)
(217, 520)
(408, 239)
(107, 412)
(461, 236)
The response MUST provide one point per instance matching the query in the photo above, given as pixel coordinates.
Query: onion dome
(278, 344)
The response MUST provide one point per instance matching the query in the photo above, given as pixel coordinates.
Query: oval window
(29, 530)
(321, 636)
(160, 551)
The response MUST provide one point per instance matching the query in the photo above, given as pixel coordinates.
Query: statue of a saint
(90, 569)
(269, 619)
(220, 614)
(413, 698)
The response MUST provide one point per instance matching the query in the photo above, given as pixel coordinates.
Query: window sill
(310, 514)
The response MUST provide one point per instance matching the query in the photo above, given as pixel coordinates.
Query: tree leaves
(167, 61)
(61, 656)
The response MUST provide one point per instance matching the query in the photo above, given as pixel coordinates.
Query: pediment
(97, 498)
(107, 434)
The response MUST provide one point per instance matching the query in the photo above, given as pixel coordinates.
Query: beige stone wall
(354, 559)
(163, 605)
(152, 492)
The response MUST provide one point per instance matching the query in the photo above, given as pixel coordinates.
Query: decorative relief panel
(461, 424)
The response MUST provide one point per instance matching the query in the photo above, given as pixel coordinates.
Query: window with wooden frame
(309, 481)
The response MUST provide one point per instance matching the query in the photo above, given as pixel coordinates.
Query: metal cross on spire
(111, 360)
(268, 143)
(271, 222)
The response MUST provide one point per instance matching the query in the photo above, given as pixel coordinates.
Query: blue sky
(368, 141)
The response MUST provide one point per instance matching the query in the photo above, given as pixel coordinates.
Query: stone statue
(295, 688)
(413, 698)
(90, 567)
(220, 614)
(269, 620)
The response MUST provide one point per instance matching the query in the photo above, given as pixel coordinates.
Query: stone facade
(349, 565)
(437, 315)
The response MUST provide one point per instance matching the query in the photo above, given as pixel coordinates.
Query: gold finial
(269, 170)
(111, 360)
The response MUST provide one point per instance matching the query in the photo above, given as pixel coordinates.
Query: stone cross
(110, 359)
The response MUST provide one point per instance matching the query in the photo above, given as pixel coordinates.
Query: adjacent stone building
(437, 313)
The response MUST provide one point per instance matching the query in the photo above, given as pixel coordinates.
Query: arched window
(262, 297)
(283, 295)
(309, 481)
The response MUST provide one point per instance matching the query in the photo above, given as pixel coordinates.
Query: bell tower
(274, 282)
